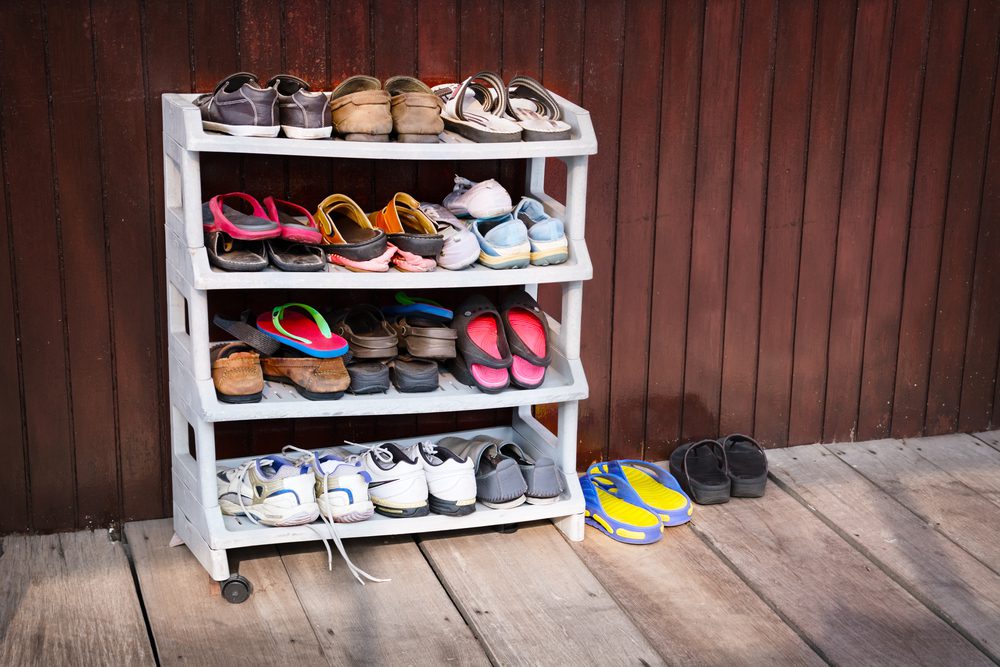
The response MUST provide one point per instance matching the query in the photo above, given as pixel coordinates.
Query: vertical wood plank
(930, 194)
(36, 252)
(679, 110)
(634, 229)
(602, 86)
(824, 175)
(165, 34)
(866, 113)
(783, 223)
(983, 341)
(962, 216)
(135, 302)
(13, 476)
(77, 165)
(710, 233)
(746, 233)
(892, 216)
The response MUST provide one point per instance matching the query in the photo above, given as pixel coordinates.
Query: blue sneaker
(503, 242)
(547, 235)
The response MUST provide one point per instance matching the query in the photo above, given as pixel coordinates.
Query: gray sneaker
(304, 113)
(240, 107)
(541, 474)
(499, 483)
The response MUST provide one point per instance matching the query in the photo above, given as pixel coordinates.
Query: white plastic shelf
(182, 120)
(203, 276)
(564, 381)
(228, 532)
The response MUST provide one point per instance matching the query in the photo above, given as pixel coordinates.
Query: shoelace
(328, 520)
(378, 451)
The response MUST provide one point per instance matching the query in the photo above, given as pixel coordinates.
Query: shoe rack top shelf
(182, 123)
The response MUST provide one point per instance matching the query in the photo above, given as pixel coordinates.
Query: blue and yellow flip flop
(612, 507)
(657, 489)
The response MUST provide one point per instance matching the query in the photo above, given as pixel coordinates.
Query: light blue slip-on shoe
(503, 242)
(547, 235)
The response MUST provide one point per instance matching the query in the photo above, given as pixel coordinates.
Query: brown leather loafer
(236, 373)
(360, 109)
(315, 379)
(416, 110)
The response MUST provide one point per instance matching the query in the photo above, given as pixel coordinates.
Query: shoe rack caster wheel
(236, 589)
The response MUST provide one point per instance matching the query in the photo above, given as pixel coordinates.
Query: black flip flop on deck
(747, 465)
(702, 471)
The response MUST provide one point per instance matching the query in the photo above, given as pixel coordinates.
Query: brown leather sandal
(425, 338)
(367, 332)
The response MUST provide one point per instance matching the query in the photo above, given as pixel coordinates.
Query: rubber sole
(413, 378)
(293, 132)
(699, 493)
(305, 393)
(541, 501)
(295, 516)
(505, 505)
(409, 513)
(748, 488)
(417, 138)
(242, 130)
(236, 400)
(368, 378)
(374, 138)
(469, 131)
(353, 513)
(451, 507)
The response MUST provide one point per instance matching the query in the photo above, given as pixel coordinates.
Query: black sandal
(702, 471)
(231, 254)
(295, 256)
(473, 363)
(747, 465)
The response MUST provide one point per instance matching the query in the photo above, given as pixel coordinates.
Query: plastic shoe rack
(198, 521)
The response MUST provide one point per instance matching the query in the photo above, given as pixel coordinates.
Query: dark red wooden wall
(793, 216)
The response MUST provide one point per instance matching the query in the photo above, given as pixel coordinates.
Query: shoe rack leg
(215, 561)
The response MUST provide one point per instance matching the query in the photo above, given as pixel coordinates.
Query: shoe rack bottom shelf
(230, 532)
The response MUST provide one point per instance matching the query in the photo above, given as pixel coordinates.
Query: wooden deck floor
(883, 552)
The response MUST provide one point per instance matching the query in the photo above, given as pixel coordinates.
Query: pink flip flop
(527, 335)
(309, 333)
(379, 264)
(482, 344)
(297, 223)
(219, 215)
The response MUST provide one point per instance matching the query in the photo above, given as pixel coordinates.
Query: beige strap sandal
(473, 109)
(535, 110)
(416, 110)
(360, 109)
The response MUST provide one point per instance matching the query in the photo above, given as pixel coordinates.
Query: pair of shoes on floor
(506, 476)
(300, 350)
(420, 479)
(498, 348)
(485, 110)
(631, 501)
(365, 110)
(399, 235)
(509, 237)
(278, 232)
(713, 471)
(240, 106)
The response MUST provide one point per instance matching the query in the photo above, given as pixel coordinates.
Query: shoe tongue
(233, 82)
(286, 84)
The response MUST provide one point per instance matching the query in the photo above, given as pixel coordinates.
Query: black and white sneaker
(398, 486)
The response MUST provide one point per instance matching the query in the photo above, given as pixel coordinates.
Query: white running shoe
(461, 249)
(398, 486)
(451, 479)
(341, 488)
(486, 199)
(272, 491)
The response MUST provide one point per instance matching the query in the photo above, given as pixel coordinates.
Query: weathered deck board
(928, 564)
(935, 494)
(649, 581)
(69, 600)
(847, 608)
(407, 621)
(991, 438)
(967, 459)
(193, 625)
(531, 601)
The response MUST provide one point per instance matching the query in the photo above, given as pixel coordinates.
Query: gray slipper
(499, 483)
(541, 474)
